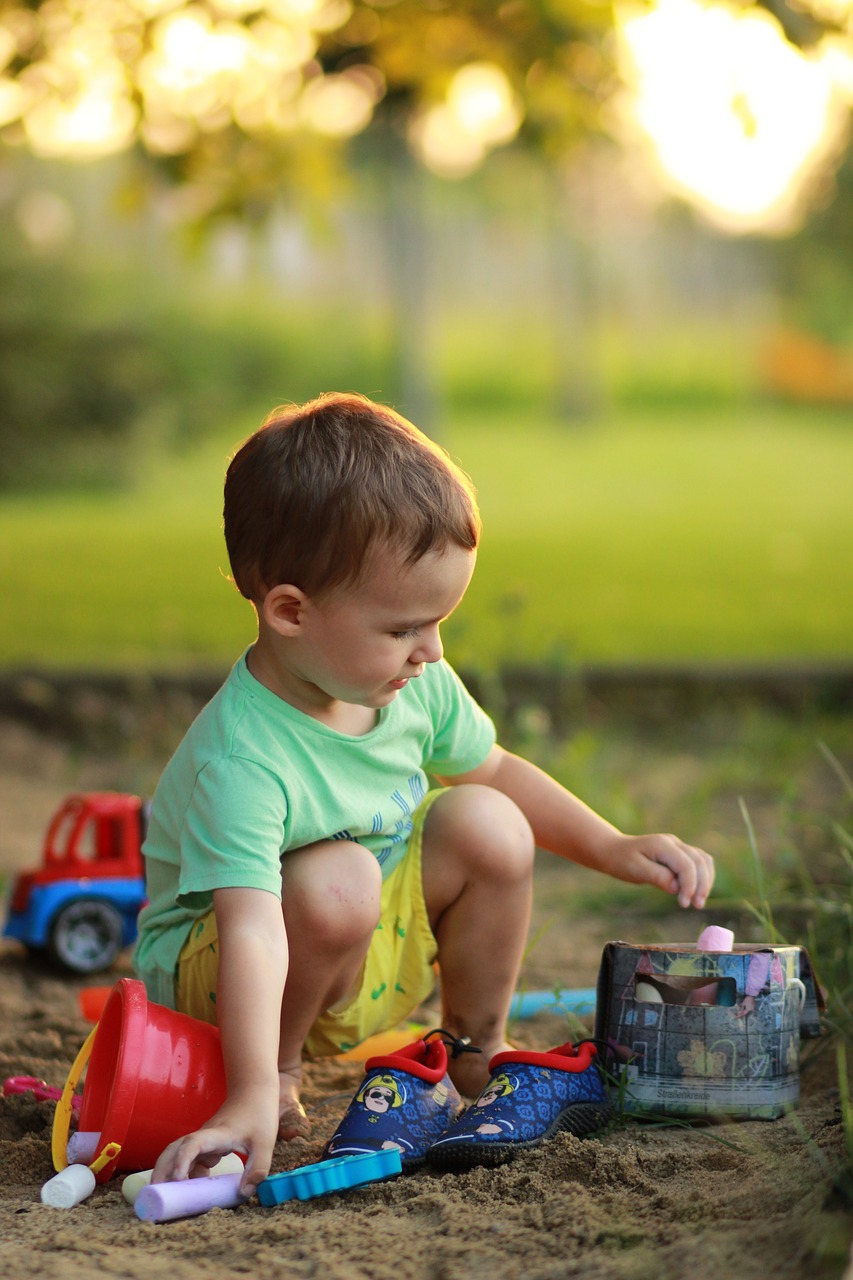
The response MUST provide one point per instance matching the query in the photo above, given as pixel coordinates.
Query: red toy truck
(81, 905)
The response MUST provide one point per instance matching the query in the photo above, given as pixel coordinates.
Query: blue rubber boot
(529, 1098)
(406, 1100)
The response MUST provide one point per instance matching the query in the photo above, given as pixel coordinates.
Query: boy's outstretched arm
(252, 969)
(566, 826)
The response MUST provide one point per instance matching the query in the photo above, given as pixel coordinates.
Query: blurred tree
(240, 99)
(239, 103)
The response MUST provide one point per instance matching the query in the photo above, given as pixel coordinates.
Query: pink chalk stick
(165, 1201)
(715, 938)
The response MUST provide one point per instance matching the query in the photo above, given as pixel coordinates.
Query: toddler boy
(303, 878)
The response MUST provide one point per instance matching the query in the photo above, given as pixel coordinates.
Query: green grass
(686, 535)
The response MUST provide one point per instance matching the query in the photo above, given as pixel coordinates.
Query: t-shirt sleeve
(232, 834)
(463, 735)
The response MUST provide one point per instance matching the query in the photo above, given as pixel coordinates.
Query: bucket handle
(65, 1107)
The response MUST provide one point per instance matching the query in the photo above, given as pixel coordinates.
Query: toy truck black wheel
(86, 935)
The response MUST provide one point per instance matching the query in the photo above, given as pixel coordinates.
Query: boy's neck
(344, 717)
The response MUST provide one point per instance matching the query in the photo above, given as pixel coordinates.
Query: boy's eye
(405, 635)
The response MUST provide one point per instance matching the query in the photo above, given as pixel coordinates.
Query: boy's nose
(430, 648)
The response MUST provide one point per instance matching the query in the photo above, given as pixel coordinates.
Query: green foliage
(70, 386)
(100, 371)
(238, 156)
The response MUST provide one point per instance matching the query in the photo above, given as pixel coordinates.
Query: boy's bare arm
(252, 970)
(566, 826)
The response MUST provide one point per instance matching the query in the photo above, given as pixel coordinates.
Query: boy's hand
(565, 825)
(668, 863)
(247, 1125)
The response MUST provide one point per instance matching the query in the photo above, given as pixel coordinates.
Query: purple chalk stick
(165, 1201)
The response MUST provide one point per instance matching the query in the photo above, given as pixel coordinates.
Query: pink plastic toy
(41, 1092)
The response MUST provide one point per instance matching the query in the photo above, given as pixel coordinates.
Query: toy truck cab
(81, 905)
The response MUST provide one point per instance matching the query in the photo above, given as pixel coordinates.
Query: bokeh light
(738, 119)
(480, 111)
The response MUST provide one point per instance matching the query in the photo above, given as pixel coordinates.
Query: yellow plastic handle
(64, 1109)
(110, 1151)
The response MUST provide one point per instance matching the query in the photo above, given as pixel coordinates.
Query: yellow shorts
(398, 972)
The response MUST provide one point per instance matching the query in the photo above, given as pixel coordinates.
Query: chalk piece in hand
(134, 1182)
(69, 1187)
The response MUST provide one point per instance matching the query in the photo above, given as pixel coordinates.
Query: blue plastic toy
(328, 1176)
(526, 1004)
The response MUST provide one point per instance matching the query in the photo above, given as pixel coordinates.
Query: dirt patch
(640, 1202)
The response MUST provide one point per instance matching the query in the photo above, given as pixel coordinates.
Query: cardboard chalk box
(708, 1033)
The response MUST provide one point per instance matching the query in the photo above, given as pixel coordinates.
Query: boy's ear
(283, 607)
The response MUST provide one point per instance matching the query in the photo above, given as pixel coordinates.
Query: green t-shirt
(254, 777)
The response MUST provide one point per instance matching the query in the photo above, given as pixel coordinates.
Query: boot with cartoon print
(406, 1100)
(529, 1098)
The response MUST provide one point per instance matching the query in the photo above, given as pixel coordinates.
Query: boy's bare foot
(292, 1120)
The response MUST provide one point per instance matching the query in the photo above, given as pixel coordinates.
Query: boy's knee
(334, 890)
(487, 828)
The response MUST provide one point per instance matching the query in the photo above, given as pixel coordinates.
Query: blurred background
(602, 253)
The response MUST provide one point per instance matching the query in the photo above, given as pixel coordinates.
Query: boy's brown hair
(320, 485)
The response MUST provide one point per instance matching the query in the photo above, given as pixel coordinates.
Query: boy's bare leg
(330, 898)
(477, 874)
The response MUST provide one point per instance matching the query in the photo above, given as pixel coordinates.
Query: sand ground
(641, 1202)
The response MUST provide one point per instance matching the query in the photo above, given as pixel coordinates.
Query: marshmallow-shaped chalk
(165, 1201)
(69, 1187)
(715, 938)
(134, 1182)
(645, 991)
(82, 1147)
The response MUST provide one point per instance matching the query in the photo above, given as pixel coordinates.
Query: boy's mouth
(398, 684)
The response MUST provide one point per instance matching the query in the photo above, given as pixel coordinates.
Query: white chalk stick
(82, 1147)
(134, 1182)
(68, 1187)
(165, 1201)
(645, 991)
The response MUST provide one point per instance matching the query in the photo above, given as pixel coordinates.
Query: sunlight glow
(316, 15)
(97, 122)
(739, 120)
(338, 106)
(80, 99)
(13, 100)
(480, 111)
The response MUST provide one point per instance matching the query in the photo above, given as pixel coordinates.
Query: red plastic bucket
(153, 1076)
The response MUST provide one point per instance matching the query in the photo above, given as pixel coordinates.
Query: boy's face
(363, 644)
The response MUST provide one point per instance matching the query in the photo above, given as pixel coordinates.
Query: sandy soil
(640, 1202)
